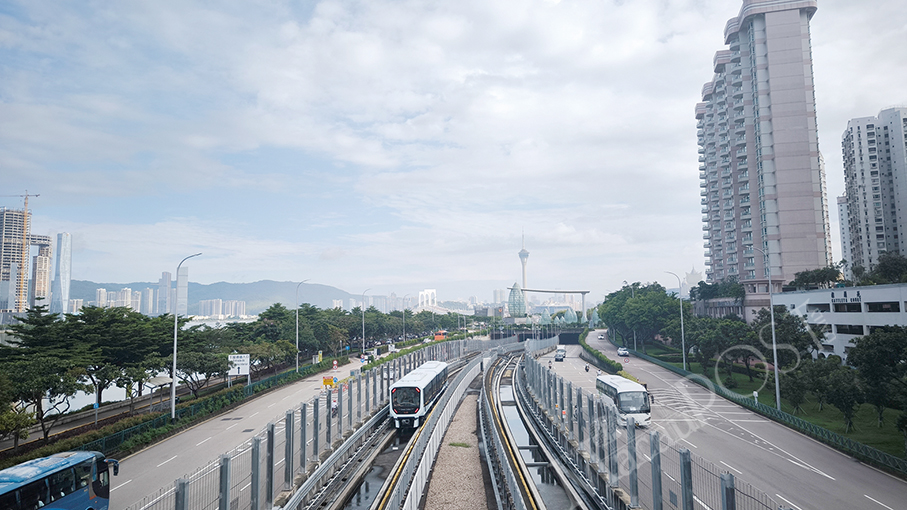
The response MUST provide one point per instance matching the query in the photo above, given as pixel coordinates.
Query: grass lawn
(866, 430)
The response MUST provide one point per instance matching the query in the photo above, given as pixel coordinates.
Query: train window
(406, 397)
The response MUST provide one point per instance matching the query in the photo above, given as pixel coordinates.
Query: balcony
(702, 175)
(706, 235)
(705, 209)
(703, 192)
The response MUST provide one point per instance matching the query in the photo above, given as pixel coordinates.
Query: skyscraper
(762, 178)
(844, 230)
(163, 294)
(875, 183)
(182, 291)
(39, 289)
(59, 294)
(14, 230)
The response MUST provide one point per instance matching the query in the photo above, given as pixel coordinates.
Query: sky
(392, 145)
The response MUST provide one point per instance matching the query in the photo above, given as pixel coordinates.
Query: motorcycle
(587, 368)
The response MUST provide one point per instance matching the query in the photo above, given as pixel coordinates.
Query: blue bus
(63, 481)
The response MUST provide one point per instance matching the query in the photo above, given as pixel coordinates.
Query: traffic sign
(626, 360)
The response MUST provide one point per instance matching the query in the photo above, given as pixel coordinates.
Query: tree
(891, 268)
(878, 358)
(822, 278)
(41, 379)
(845, 394)
(793, 388)
(195, 369)
(816, 373)
(14, 419)
(794, 339)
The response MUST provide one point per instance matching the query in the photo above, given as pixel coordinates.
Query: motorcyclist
(587, 367)
(549, 364)
(333, 408)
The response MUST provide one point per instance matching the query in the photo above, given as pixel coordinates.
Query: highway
(158, 466)
(797, 471)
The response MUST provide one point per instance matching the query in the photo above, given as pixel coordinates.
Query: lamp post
(175, 329)
(683, 341)
(363, 319)
(297, 324)
(404, 317)
(632, 295)
(771, 311)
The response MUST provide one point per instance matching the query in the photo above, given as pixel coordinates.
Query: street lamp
(771, 310)
(632, 295)
(297, 324)
(683, 341)
(363, 319)
(175, 329)
(404, 317)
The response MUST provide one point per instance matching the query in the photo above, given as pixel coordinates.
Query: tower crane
(20, 283)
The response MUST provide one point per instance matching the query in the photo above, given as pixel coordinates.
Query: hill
(257, 295)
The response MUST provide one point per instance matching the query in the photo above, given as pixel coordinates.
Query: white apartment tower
(875, 183)
(762, 177)
(844, 230)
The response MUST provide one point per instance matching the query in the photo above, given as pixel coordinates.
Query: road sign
(626, 360)
(335, 380)
(239, 364)
(335, 364)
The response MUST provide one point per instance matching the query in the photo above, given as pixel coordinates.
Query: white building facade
(845, 313)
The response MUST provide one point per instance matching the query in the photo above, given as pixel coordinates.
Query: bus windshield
(633, 402)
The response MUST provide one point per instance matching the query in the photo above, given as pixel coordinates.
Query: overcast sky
(395, 145)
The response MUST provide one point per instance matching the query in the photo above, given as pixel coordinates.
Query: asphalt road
(157, 467)
(795, 470)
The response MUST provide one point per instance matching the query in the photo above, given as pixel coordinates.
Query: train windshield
(406, 397)
(633, 402)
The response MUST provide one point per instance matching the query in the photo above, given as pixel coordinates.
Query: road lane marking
(203, 441)
(731, 467)
(253, 414)
(231, 426)
(877, 501)
(689, 443)
(788, 502)
(127, 481)
(166, 461)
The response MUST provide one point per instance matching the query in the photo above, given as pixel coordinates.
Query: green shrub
(759, 366)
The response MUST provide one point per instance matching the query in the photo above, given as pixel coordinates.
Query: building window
(848, 307)
(889, 306)
(849, 329)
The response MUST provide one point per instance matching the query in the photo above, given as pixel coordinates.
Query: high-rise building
(844, 231)
(75, 305)
(182, 291)
(163, 294)
(762, 177)
(211, 307)
(101, 298)
(498, 296)
(39, 290)
(14, 231)
(147, 301)
(59, 293)
(875, 186)
(233, 308)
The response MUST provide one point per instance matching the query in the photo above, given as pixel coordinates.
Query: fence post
(359, 397)
(728, 495)
(655, 451)
(571, 414)
(182, 494)
(340, 411)
(686, 480)
(590, 403)
(316, 453)
(256, 473)
(560, 399)
(288, 469)
(579, 417)
(224, 483)
(375, 386)
(303, 414)
(329, 416)
(612, 447)
(368, 383)
(269, 473)
(631, 462)
(349, 405)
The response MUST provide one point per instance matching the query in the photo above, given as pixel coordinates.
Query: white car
(622, 352)
(601, 337)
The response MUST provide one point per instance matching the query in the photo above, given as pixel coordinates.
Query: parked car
(622, 352)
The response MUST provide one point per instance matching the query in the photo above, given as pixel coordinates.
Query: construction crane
(20, 283)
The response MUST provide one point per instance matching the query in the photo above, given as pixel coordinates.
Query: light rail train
(413, 396)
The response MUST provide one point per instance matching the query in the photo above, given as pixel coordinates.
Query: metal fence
(296, 447)
(651, 470)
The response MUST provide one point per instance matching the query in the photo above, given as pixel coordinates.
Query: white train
(413, 396)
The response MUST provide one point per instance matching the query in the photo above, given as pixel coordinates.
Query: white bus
(629, 398)
(560, 353)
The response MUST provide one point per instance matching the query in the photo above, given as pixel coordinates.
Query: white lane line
(203, 442)
(127, 481)
(788, 502)
(166, 461)
(877, 501)
(272, 405)
(689, 443)
(809, 468)
(253, 414)
(731, 467)
(231, 426)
